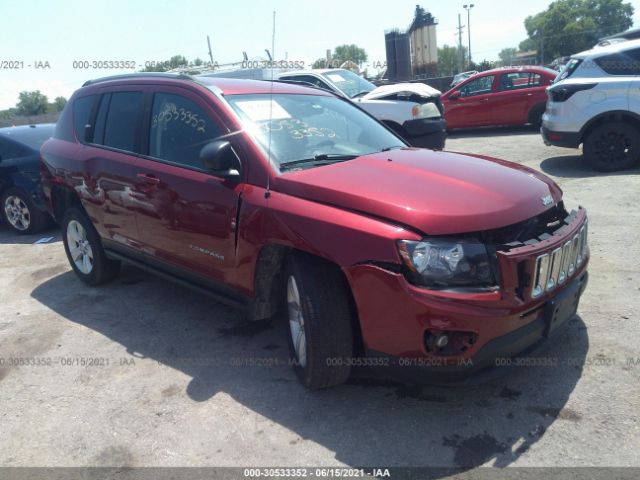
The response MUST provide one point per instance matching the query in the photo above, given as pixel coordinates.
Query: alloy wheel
(296, 322)
(79, 247)
(17, 212)
(613, 147)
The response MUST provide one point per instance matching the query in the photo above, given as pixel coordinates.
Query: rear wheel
(612, 146)
(84, 249)
(20, 213)
(535, 116)
(319, 319)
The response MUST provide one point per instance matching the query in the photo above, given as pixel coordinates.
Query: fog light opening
(441, 340)
(446, 343)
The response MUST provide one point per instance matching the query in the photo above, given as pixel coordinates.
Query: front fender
(340, 236)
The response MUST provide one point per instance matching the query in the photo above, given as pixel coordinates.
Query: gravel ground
(144, 373)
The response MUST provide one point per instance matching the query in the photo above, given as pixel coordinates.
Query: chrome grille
(553, 268)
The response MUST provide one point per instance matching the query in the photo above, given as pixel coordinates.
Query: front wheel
(612, 146)
(84, 249)
(320, 322)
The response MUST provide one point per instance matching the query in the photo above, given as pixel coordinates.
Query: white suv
(595, 101)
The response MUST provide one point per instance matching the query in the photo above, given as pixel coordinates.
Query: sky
(63, 31)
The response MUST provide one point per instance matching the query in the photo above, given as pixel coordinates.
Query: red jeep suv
(278, 197)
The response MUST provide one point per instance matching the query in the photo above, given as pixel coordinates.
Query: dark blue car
(20, 194)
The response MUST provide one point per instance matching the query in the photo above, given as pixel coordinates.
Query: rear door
(634, 87)
(471, 108)
(187, 216)
(108, 128)
(514, 97)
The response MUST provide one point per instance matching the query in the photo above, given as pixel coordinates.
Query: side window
(519, 80)
(634, 55)
(101, 118)
(179, 130)
(535, 80)
(478, 86)
(619, 64)
(122, 120)
(81, 115)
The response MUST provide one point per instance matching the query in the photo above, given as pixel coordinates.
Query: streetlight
(468, 9)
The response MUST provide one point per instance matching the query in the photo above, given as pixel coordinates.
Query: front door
(189, 220)
(472, 107)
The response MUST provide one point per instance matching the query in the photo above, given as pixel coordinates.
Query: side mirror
(220, 159)
(454, 95)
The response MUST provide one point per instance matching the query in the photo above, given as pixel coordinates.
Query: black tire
(612, 146)
(103, 269)
(327, 321)
(33, 220)
(535, 116)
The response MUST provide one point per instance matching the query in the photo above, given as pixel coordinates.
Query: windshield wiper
(386, 149)
(359, 94)
(334, 156)
(319, 159)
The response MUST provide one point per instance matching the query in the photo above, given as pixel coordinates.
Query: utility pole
(468, 9)
(210, 53)
(460, 54)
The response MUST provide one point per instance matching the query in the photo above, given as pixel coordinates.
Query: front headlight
(446, 262)
(426, 110)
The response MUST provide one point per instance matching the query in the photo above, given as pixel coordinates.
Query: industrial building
(413, 53)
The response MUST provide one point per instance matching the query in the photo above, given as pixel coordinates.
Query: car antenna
(267, 194)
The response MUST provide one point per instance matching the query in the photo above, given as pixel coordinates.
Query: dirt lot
(144, 373)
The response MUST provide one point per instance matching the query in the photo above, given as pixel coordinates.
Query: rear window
(569, 68)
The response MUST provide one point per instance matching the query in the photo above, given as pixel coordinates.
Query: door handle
(149, 178)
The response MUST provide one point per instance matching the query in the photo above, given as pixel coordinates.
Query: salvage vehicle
(23, 209)
(458, 77)
(275, 197)
(596, 103)
(412, 110)
(502, 96)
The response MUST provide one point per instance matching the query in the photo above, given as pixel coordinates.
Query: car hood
(436, 193)
(417, 88)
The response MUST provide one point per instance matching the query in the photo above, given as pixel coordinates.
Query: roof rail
(177, 76)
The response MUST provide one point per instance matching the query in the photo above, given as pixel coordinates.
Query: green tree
(570, 26)
(32, 103)
(342, 53)
(507, 55)
(59, 103)
(320, 63)
(448, 59)
(174, 62)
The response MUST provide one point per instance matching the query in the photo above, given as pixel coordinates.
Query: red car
(277, 197)
(503, 96)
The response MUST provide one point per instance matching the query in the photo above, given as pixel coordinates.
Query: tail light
(562, 93)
